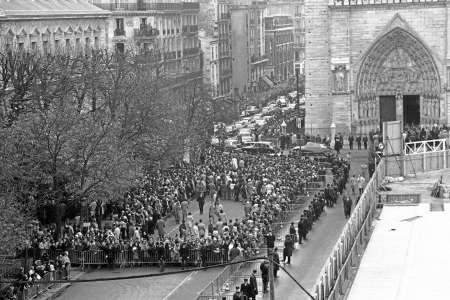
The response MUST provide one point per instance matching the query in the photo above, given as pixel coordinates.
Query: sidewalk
(59, 288)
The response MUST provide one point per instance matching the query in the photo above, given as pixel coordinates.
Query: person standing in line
(347, 201)
(358, 142)
(350, 141)
(365, 142)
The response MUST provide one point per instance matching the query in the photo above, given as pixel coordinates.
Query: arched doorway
(398, 80)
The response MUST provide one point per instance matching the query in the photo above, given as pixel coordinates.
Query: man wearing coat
(246, 289)
(288, 247)
(253, 286)
(347, 206)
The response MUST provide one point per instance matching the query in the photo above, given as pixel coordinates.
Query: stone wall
(351, 32)
(317, 68)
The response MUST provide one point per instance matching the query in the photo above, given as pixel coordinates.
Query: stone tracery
(398, 63)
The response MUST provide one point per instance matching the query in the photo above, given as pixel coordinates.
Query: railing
(330, 282)
(190, 29)
(378, 2)
(147, 6)
(214, 290)
(40, 286)
(146, 31)
(425, 146)
(119, 32)
(136, 257)
(191, 51)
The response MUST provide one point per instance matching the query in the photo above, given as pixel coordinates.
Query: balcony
(226, 16)
(117, 6)
(148, 57)
(146, 32)
(226, 73)
(337, 3)
(259, 59)
(190, 29)
(170, 55)
(140, 5)
(119, 32)
(191, 51)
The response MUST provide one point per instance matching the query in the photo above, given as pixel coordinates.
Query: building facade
(248, 49)
(221, 63)
(40, 25)
(168, 30)
(294, 9)
(369, 62)
(279, 34)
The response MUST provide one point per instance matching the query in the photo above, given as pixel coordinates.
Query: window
(33, 46)
(20, 46)
(120, 48)
(119, 24)
(96, 43)
(57, 45)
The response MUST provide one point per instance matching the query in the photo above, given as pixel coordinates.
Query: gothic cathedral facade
(369, 61)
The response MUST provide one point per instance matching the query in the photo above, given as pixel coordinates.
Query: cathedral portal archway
(398, 80)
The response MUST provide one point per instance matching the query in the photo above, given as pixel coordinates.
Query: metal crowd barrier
(344, 255)
(139, 257)
(40, 286)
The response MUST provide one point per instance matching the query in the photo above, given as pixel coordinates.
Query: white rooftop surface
(406, 259)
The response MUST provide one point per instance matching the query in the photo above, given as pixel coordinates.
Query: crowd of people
(265, 185)
(421, 133)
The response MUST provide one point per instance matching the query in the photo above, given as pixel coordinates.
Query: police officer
(358, 142)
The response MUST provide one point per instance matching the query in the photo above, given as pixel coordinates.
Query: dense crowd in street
(265, 185)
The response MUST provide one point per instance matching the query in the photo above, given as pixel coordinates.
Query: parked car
(258, 148)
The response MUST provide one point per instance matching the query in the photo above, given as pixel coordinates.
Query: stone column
(399, 106)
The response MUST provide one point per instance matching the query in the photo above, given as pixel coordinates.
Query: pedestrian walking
(287, 251)
(354, 184)
(253, 286)
(201, 202)
(361, 184)
(347, 202)
(276, 260)
(264, 267)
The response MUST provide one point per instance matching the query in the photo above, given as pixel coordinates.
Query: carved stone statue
(340, 79)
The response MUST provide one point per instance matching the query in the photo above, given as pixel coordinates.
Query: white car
(244, 131)
(247, 139)
(230, 128)
(214, 140)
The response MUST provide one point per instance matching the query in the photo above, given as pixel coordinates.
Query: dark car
(259, 148)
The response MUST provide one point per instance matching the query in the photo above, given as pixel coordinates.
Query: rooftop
(407, 254)
(18, 9)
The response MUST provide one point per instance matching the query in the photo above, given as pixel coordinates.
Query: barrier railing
(330, 282)
(40, 286)
(139, 257)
